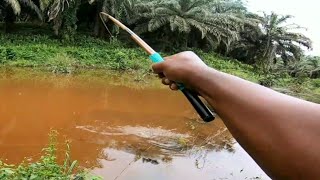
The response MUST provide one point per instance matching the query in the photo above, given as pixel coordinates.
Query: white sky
(306, 13)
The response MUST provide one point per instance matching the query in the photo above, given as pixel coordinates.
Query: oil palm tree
(132, 10)
(244, 22)
(234, 6)
(249, 46)
(112, 7)
(15, 6)
(54, 7)
(181, 17)
(308, 66)
(280, 40)
(12, 8)
(9, 9)
(62, 14)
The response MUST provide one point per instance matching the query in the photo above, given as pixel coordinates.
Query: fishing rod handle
(204, 112)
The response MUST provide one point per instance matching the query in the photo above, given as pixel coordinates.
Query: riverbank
(45, 53)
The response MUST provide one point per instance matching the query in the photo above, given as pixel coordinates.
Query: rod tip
(106, 14)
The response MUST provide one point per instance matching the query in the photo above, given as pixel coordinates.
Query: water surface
(120, 126)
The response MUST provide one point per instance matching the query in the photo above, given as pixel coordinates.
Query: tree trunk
(99, 30)
(9, 19)
(186, 41)
(96, 26)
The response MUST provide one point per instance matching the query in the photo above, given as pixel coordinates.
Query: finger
(158, 67)
(174, 87)
(166, 81)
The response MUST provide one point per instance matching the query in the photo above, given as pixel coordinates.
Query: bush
(7, 54)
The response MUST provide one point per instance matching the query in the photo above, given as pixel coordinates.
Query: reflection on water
(140, 131)
(117, 130)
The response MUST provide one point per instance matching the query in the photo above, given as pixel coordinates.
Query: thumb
(158, 67)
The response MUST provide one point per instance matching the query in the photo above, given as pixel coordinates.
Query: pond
(121, 126)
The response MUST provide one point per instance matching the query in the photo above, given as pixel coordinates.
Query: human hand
(179, 68)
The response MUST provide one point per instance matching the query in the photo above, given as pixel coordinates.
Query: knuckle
(168, 58)
(189, 53)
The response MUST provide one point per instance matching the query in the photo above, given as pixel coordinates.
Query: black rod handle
(198, 105)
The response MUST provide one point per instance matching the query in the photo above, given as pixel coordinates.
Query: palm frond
(56, 7)
(283, 19)
(15, 5)
(34, 7)
(156, 23)
(44, 4)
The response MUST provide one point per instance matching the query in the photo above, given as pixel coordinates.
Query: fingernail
(167, 81)
(173, 86)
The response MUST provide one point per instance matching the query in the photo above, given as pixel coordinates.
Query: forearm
(265, 122)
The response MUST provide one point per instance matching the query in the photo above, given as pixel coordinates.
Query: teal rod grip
(156, 58)
(204, 112)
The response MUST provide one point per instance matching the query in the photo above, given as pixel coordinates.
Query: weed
(183, 142)
(61, 64)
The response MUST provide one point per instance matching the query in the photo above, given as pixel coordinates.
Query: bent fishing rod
(203, 111)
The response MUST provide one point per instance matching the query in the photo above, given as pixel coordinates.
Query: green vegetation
(225, 27)
(92, 53)
(47, 167)
(87, 52)
(41, 51)
(65, 29)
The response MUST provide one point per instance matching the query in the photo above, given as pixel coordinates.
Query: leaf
(8, 171)
(33, 176)
(72, 166)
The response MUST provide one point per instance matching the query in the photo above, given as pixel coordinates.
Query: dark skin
(281, 133)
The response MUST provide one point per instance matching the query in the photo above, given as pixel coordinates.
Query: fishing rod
(155, 57)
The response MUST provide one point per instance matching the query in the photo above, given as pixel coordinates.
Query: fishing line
(103, 21)
(204, 112)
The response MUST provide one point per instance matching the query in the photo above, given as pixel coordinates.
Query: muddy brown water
(119, 127)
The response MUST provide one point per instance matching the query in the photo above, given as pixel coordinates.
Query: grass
(86, 52)
(47, 167)
(92, 53)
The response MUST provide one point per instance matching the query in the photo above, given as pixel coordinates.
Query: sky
(306, 14)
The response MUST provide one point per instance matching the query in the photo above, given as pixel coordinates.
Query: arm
(281, 133)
